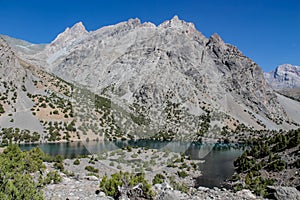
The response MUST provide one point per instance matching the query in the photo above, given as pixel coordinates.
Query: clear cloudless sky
(267, 31)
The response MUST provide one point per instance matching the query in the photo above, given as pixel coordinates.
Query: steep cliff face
(168, 79)
(243, 77)
(10, 68)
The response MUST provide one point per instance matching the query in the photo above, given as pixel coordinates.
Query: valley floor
(84, 184)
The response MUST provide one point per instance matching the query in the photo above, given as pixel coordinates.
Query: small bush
(59, 166)
(52, 176)
(110, 185)
(129, 148)
(76, 162)
(134, 156)
(91, 169)
(182, 174)
(158, 179)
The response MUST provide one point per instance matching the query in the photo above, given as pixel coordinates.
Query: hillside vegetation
(270, 161)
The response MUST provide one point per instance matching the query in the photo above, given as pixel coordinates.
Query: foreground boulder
(284, 193)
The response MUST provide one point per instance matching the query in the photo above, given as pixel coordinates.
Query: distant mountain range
(284, 76)
(286, 80)
(136, 80)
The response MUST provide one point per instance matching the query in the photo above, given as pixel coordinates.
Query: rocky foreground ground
(88, 188)
(83, 184)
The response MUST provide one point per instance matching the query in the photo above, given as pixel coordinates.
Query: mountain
(284, 76)
(140, 80)
(23, 46)
(285, 79)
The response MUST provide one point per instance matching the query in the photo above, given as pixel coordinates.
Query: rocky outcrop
(10, 68)
(284, 193)
(167, 193)
(67, 38)
(71, 188)
(243, 77)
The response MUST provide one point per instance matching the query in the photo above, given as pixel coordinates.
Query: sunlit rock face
(170, 74)
(284, 76)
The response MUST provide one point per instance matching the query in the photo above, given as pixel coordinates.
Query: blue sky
(267, 31)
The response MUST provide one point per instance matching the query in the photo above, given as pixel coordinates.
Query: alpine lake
(218, 157)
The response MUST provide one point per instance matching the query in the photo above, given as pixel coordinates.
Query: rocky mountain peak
(215, 38)
(75, 31)
(67, 37)
(284, 76)
(134, 22)
(286, 69)
(79, 27)
(175, 19)
(175, 22)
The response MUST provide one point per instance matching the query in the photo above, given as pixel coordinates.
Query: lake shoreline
(195, 150)
(83, 183)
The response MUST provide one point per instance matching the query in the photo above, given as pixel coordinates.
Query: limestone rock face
(10, 68)
(284, 76)
(22, 46)
(171, 76)
(68, 37)
(281, 193)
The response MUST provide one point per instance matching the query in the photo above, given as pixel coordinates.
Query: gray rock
(101, 194)
(205, 189)
(91, 178)
(166, 186)
(284, 193)
(172, 195)
(246, 194)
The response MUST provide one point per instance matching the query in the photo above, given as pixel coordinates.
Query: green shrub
(178, 186)
(184, 165)
(93, 174)
(2, 109)
(15, 169)
(59, 166)
(76, 162)
(182, 174)
(43, 105)
(134, 155)
(194, 165)
(52, 176)
(158, 179)
(110, 185)
(91, 169)
(129, 148)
